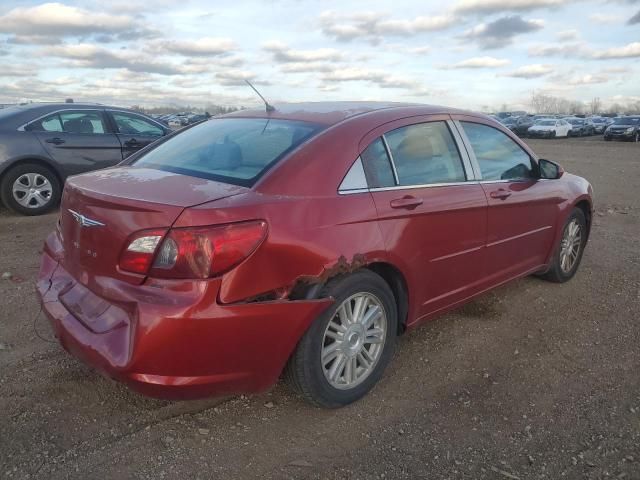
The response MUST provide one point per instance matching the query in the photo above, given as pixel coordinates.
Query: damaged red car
(300, 240)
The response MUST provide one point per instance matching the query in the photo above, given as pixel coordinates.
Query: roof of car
(329, 113)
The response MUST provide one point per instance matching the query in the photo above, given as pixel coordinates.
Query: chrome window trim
(426, 185)
(469, 172)
(467, 145)
(390, 156)
(21, 128)
(351, 192)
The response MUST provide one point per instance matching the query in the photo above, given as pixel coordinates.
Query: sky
(474, 54)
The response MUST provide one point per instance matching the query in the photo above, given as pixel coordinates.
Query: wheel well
(36, 161)
(586, 209)
(398, 285)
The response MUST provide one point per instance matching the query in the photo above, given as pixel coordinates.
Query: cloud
(478, 62)
(635, 19)
(206, 47)
(498, 6)
(604, 18)
(531, 71)
(565, 35)
(588, 79)
(86, 55)
(58, 20)
(373, 26)
(235, 78)
(631, 50)
(500, 32)
(379, 78)
(283, 54)
(568, 50)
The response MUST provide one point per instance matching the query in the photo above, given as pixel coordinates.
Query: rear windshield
(546, 122)
(231, 150)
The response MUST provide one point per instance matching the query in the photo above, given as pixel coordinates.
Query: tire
(557, 271)
(553, 134)
(309, 375)
(607, 139)
(30, 175)
(636, 137)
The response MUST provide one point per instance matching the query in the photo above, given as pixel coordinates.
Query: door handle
(409, 202)
(55, 141)
(501, 193)
(131, 143)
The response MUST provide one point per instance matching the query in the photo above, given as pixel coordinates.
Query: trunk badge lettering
(85, 221)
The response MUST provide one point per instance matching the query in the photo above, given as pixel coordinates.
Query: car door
(135, 131)
(431, 212)
(522, 209)
(78, 140)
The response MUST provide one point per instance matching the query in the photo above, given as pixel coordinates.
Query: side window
(425, 153)
(499, 157)
(82, 122)
(377, 166)
(134, 125)
(47, 124)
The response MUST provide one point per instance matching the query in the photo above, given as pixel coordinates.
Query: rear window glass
(231, 150)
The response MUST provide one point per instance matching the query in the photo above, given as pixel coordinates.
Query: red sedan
(304, 240)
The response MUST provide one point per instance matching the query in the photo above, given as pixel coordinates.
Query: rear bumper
(540, 134)
(171, 339)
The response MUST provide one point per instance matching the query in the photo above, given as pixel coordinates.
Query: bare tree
(595, 105)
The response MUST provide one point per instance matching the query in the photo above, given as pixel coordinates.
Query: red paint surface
(190, 338)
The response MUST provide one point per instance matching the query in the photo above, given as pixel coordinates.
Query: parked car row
(540, 126)
(179, 120)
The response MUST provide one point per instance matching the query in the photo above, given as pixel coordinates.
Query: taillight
(199, 252)
(138, 255)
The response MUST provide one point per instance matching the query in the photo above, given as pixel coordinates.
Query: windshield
(627, 121)
(231, 150)
(546, 122)
(575, 121)
(598, 120)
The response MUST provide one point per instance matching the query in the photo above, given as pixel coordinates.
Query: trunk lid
(100, 210)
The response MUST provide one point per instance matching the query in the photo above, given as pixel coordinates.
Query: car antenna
(268, 106)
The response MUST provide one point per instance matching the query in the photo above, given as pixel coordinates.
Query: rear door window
(425, 154)
(232, 150)
(377, 165)
(499, 157)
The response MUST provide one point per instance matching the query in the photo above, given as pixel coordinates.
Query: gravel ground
(532, 381)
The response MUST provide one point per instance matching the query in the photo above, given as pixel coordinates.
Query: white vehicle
(550, 128)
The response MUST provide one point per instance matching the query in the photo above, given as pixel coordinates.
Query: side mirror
(550, 170)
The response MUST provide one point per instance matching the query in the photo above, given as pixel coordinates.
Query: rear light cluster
(200, 252)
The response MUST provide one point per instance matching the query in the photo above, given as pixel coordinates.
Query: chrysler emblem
(85, 221)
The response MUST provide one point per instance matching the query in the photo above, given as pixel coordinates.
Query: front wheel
(30, 189)
(568, 253)
(345, 351)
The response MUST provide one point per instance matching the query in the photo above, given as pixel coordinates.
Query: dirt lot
(533, 381)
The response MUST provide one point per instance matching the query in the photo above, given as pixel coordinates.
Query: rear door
(522, 209)
(432, 212)
(78, 140)
(135, 131)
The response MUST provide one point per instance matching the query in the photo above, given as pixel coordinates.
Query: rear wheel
(568, 254)
(345, 351)
(30, 189)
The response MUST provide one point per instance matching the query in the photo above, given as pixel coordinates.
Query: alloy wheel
(32, 190)
(353, 341)
(570, 245)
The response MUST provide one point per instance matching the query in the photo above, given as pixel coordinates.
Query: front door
(78, 140)
(522, 208)
(433, 220)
